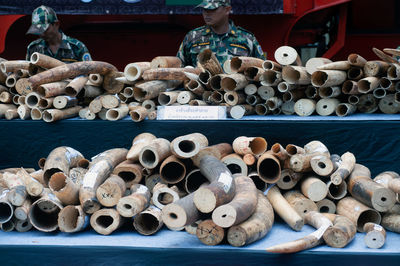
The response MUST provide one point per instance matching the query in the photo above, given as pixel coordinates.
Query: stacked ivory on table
(46, 88)
(322, 86)
(216, 192)
(249, 85)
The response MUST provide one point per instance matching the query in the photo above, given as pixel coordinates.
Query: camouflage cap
(42, 17)
(214, 4)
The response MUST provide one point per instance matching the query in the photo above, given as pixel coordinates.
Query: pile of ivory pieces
(48, 89)
(247, 85)
(223, 191)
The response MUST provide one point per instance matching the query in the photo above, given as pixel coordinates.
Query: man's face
(216, 16)
(51, 32)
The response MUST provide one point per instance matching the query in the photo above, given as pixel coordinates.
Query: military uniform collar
(64, 41)
(232, 29)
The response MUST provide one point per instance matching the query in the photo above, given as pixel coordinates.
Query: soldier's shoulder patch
(86, 57)
(199, 28)
(243, 30)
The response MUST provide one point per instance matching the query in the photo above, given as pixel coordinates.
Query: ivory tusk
(218, 151)
(344, 109)
(111, 191)
(305, 107)
(44, 212)
(375, 68)
(163, 195)
(326, 206)
(180, 213)
(241, 207)
(6, 209)
(271, 65)
(130, 172)
(328, 78)
(60, 159)
(371, 193)
(254, 73)
(117, 113)
(288, 179)
(375, 235)
(51, 89)
(209, 233)
(17, 194)
(315, 219)
(45, 61)
(209, 62)
(235, 164)
(300, 203)
(75, 69)
(149, 221)
(23, 226)
(138, 143)
(134, 203)
(286, 55)
(13, 65)
(51, 115)
(269, 168)
(255, 227)
(193, 180)
(106, 221)
(221, 189)
(269, 78)
(391, 221)
(154, 153)
(72, 219)
(338, 65)
(240, 63)
(341, 233)
(355, 73)
(233, 82)
(296, 75)
(165, 62)
(161, 74)
(357, 212)
(101, 167)
(348, 161)
(313, 188)
(284, 209)
(33, 187)
(356, 60)
(172, 170)
(189, 145)
(383, 56)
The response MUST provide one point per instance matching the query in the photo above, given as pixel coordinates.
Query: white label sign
(188, 112)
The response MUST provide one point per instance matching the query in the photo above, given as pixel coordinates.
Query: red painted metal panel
(6, 21)
(289, 6)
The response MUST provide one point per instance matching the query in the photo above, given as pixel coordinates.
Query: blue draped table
(127, 247)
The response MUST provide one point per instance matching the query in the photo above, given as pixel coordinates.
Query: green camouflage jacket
(71, 50)
(236, 42)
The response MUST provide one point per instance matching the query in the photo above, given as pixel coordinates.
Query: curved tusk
(314, 219)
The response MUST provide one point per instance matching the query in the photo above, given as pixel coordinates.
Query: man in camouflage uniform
(220, 35)
(53, 42)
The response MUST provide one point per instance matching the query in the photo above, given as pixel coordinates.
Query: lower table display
(370, 139)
